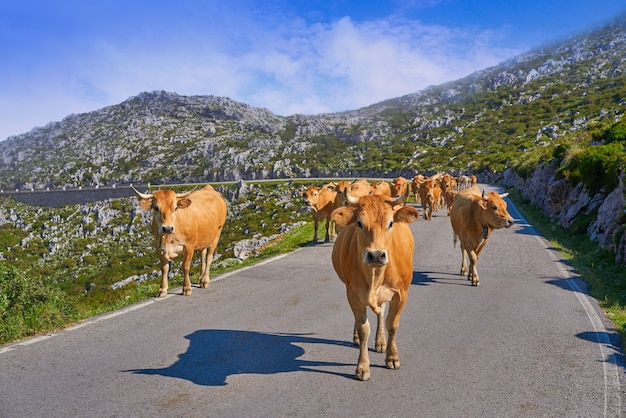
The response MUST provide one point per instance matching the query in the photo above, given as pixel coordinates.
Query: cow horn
(351, 199)
(142, 195)
(185, 194)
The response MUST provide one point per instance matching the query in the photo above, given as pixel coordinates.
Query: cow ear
(406, 214)
(343, 216)
(183, 203)
(145, 204)
(483, 202)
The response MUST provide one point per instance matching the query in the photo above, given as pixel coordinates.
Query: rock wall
(567, 205)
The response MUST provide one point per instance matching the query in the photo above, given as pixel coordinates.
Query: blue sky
(289, 56)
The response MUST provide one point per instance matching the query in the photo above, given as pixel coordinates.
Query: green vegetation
(58, 265)
(597, 267)
(27, 306)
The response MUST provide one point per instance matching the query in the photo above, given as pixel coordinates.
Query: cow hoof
(381, 347)
(362, 374)
(162, 293)
(204, 285)
(393, 364)
(187, 292)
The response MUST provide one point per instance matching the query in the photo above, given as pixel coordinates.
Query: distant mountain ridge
(482, 122)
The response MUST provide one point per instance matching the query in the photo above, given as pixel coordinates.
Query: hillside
(483, 123)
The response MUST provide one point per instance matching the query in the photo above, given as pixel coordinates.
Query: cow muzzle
(376, 258)
(167, 229)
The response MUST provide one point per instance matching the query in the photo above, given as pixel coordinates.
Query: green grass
(596, 266)
(29, 307)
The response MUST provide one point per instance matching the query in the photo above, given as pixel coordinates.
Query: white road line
(130, 308)
(609, 361)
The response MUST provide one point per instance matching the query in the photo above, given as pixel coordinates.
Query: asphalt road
(275, 340)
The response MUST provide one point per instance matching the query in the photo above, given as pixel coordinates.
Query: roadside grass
(29, 307)
(596, 266)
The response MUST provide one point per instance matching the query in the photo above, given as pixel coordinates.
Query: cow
(381, 188)
(415, 186)
(473, 217)
(472, 180)
(447, 190)
(399, 187)
(357, 188)
(373, 257)
(322, 200)
(183, 223)
(463, 182)
(430, 193)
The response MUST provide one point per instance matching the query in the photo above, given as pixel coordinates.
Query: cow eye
(390, 224)
(359, 224)
(494, 207)
(156, 209)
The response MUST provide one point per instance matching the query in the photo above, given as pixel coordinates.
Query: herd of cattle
(373, 250)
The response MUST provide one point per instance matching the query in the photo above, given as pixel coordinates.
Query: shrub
(595, 166)
(616, 133)
(28, 307)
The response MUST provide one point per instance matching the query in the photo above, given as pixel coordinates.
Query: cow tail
(454, 238)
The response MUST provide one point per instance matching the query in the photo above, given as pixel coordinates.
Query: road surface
(274, 340)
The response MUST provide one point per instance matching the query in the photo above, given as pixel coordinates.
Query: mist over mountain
(484, 122)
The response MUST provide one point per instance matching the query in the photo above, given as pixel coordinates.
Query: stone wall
(564, 203)
(60, 197)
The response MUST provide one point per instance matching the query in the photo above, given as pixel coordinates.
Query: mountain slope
(486, 121)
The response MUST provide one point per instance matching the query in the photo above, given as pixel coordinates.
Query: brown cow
(399, 187)
(430, 193)
(381, 188)
(373, 257)
(447, 190)
(357, 188)
(473, 217)
(322, 200)
(182, 224)
(415, 186)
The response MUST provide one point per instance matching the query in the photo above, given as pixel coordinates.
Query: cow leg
(392, 360)
(208, 254)
(187, 256)
(203, 280)
(315, 226)
(165, 268)
(381, 338)
(473, 275)
(464, 270)
(362, 327)
(327, 237)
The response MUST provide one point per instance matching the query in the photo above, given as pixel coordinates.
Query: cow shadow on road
(426, 278)
(215, 354)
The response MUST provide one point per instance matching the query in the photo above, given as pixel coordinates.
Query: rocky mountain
(482, 123)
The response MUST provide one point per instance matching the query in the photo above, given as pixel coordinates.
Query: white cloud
(291, 68)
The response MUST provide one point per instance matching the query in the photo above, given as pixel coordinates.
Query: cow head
(311, 196)
(494, 214)
(381, 188)
(373, 216)
(399, 186)
(428, 186)
(164, 204)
